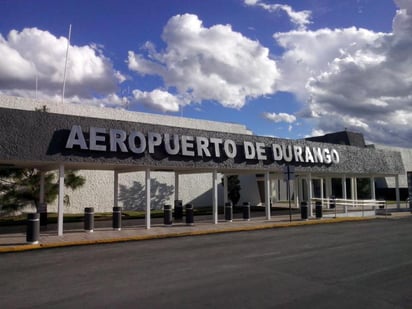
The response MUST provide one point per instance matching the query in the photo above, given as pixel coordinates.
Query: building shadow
(134, 197)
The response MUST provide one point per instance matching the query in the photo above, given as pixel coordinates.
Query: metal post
(117, 218)
(60, 206)
(167, 215)
(229, 211)
(318, 209)
(178, 210)
(246, 211)
(148, 199)
(33, 228)
(189, 214)
(89, 219)
(304, 210)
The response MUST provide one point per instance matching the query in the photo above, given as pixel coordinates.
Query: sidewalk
(13, 238)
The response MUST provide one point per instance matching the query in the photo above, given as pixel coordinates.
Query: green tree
(21, 187)
(233, 188)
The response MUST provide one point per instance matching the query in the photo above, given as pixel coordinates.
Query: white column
(309, 179)
(322, 193)
(60, 205)
(373, 191)
(296, 191)
(344, 189)
(176, 185)
(148, 198)
(116, 189)
(267, 195)
(398, 199)
(328, 186)
(355, 189)
(225, 192)
(352, 190)
(278, 188)
(41, 193)
(215, 197)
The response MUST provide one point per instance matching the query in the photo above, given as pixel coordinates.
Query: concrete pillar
(225, 192)
(267, 194)
(176, 185)
(60, 203)
(398, 199)
(278, 188)
(296, 191)
(215, 197)
(300, 189)
(373, 191)
(116, 189)
(354, 190)
(344, 189)
(310, 194)
(148, 198)
(322, 193)
(328, 186)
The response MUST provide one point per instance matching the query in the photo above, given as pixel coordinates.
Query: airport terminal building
(143, 161)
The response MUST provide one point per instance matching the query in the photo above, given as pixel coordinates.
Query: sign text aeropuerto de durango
(114, 140)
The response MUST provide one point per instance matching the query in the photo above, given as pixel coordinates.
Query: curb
(226, 229)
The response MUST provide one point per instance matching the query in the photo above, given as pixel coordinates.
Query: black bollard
(246, 211)
(167, 215)
(332, 202)
(318, 209)
(117, 218)
(178, 210)
(89, 219)
(304, 210)
(189, 214)
(43, 214)
(33, 228)
(228, 211)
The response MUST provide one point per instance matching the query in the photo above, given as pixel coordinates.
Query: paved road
(347, 265)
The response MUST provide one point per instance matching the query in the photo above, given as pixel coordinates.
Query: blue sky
(283, 68)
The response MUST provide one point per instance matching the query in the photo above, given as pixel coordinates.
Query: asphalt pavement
(13, 238)
(364, 264)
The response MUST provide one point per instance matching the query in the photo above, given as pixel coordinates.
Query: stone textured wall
(37, 139)
(406, 155)
(33, 136)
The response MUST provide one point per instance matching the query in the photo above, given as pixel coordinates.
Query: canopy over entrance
(49, 141)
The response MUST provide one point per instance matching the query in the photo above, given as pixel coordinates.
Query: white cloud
(213, 63)
(281, 117)
(353, 78)
(300, 18)
(157, 99)
(310, 53)
(36, 54)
